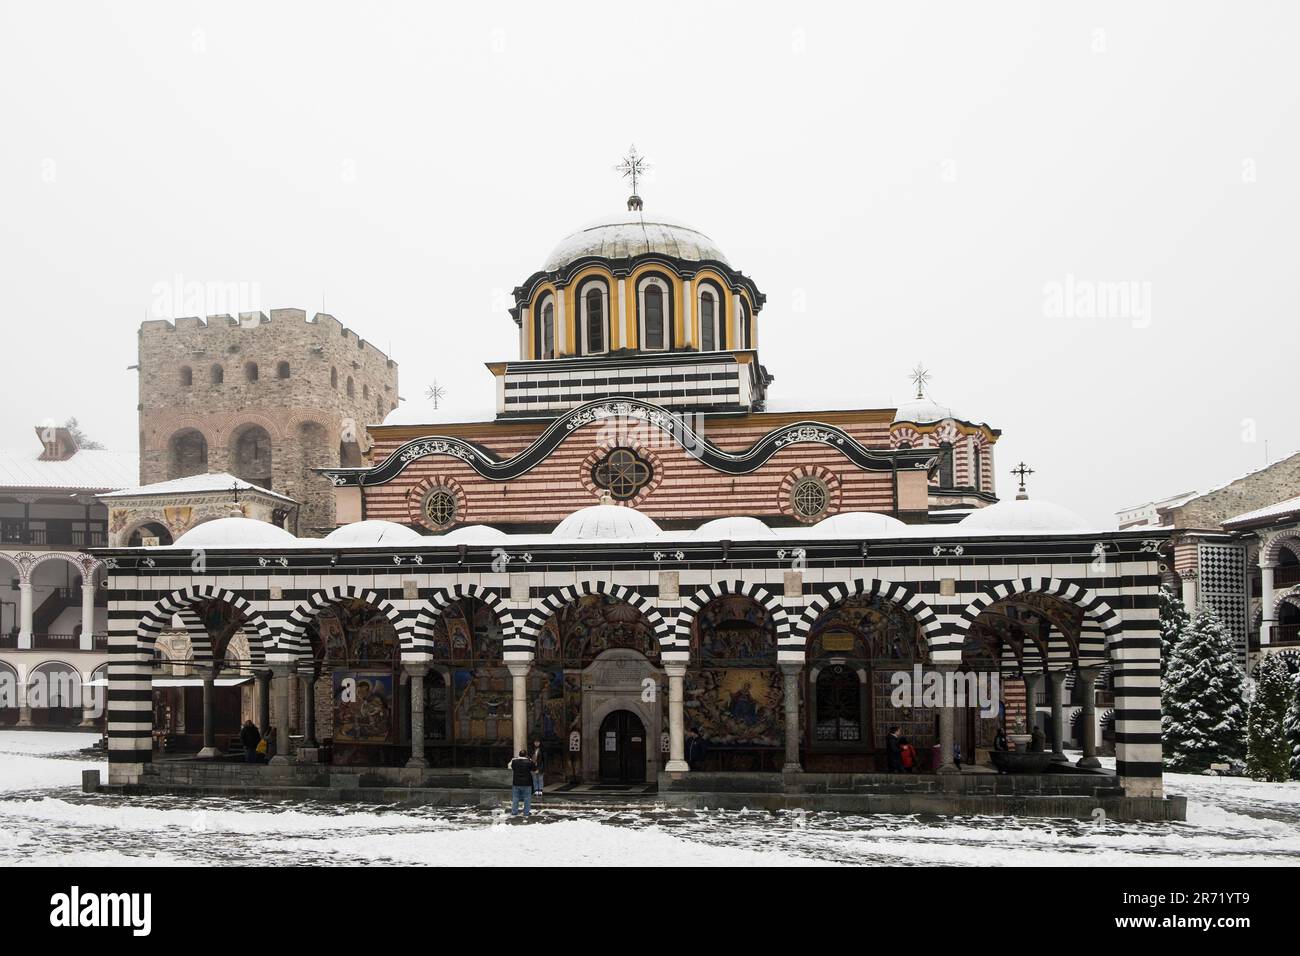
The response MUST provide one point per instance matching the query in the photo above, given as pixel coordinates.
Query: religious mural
(735, 693)
(359, 647)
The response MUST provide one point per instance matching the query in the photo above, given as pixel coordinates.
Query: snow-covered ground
(45, 819)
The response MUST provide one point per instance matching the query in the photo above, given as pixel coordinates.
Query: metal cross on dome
(632, 167)
(1023, 471)
(435, 393)
(920, 378)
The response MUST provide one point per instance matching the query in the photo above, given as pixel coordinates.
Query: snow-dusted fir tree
(1267, 753)
(1292, 727)
(1203, 720)
(1173, 621)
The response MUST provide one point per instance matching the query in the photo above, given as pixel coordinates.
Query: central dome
(634, 233)
(604, 522)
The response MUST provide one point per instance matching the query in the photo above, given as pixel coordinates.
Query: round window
(623, 473)
(809, 498)
(440, 507)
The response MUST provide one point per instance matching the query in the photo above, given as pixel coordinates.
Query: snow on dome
(471, 534)
(859, 524)
(923, 410)
(633, 233)
(732, 529)
(235, 533)
(1022, 516)
(604, 522)
(373, 531)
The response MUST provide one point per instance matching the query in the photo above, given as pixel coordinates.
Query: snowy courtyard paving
(46, 820)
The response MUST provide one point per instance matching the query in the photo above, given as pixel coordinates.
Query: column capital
(674, 669)
(417, 668)
(791, 667)
(519, 668)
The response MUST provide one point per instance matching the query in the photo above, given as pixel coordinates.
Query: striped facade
(944, 584)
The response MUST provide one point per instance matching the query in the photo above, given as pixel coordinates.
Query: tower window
(250, 371)
(746, 333)
(187, 376)
(352, 390)
(623, 473)
(979, 468)
(218, 375)
(282, 370)
(593, 319)
(945, 464)
(334, 378)
(654, 314)
(712, 328)
(544, 333)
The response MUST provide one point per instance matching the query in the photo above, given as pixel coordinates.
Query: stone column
(283, 676)
(1265, 604)
(790, 675)
(416, 673)
(519, 699)
(309, 708)
(947, 724)
(1087, 679)
(209, 675)
(1031, 680)
(25, 615)
(1056, 685)
(263, 701)
(676, 719)
(87, 642)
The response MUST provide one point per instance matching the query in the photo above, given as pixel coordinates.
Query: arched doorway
(622, 748)
(187, 454)
(251, 456)
(54, 695)
(854, 649)
(597, 655)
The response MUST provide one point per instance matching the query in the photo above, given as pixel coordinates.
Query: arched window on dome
(593, 303)
(978, 466)
(945, 464)
(544, 329)
(713, 318)
(746, 331)
(654, 314)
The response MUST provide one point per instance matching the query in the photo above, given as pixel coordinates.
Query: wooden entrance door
(622, 748)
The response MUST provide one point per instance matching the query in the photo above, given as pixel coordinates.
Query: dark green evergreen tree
(1267, 753)
(1203, 720)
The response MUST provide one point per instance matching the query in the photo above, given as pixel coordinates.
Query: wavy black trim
(490, 466)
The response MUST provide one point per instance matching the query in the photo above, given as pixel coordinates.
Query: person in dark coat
(1000, 739)
(249, 736)
(539, 764)
(893, 750)
(521, 783)
(695, 749)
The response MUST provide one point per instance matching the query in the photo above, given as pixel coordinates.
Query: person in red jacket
(907, 754)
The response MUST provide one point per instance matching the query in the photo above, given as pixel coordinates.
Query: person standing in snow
(250, 736)
(539, 767)
(906, 754)
(893, 750)
(695, 749)
(521, 783)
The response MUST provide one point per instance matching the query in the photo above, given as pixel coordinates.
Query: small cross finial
(920, 378)
(633, 167)
(1023, 471)
(435, 393)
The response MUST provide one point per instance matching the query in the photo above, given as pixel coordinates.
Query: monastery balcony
(17, 533)
(53, 642)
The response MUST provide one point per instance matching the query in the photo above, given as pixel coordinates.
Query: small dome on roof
(471, 534)
(859, 524)
(1022, 516)
(604, 522)
(235, 533)
(737, 528)
(922, 411)
(634, 233)
(373, 532)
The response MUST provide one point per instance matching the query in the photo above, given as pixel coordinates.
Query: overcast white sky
(905, 181)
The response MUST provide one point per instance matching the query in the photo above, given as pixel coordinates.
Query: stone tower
(267, 399)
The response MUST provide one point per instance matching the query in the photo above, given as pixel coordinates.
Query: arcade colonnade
(1117, 614)
(25, 564)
